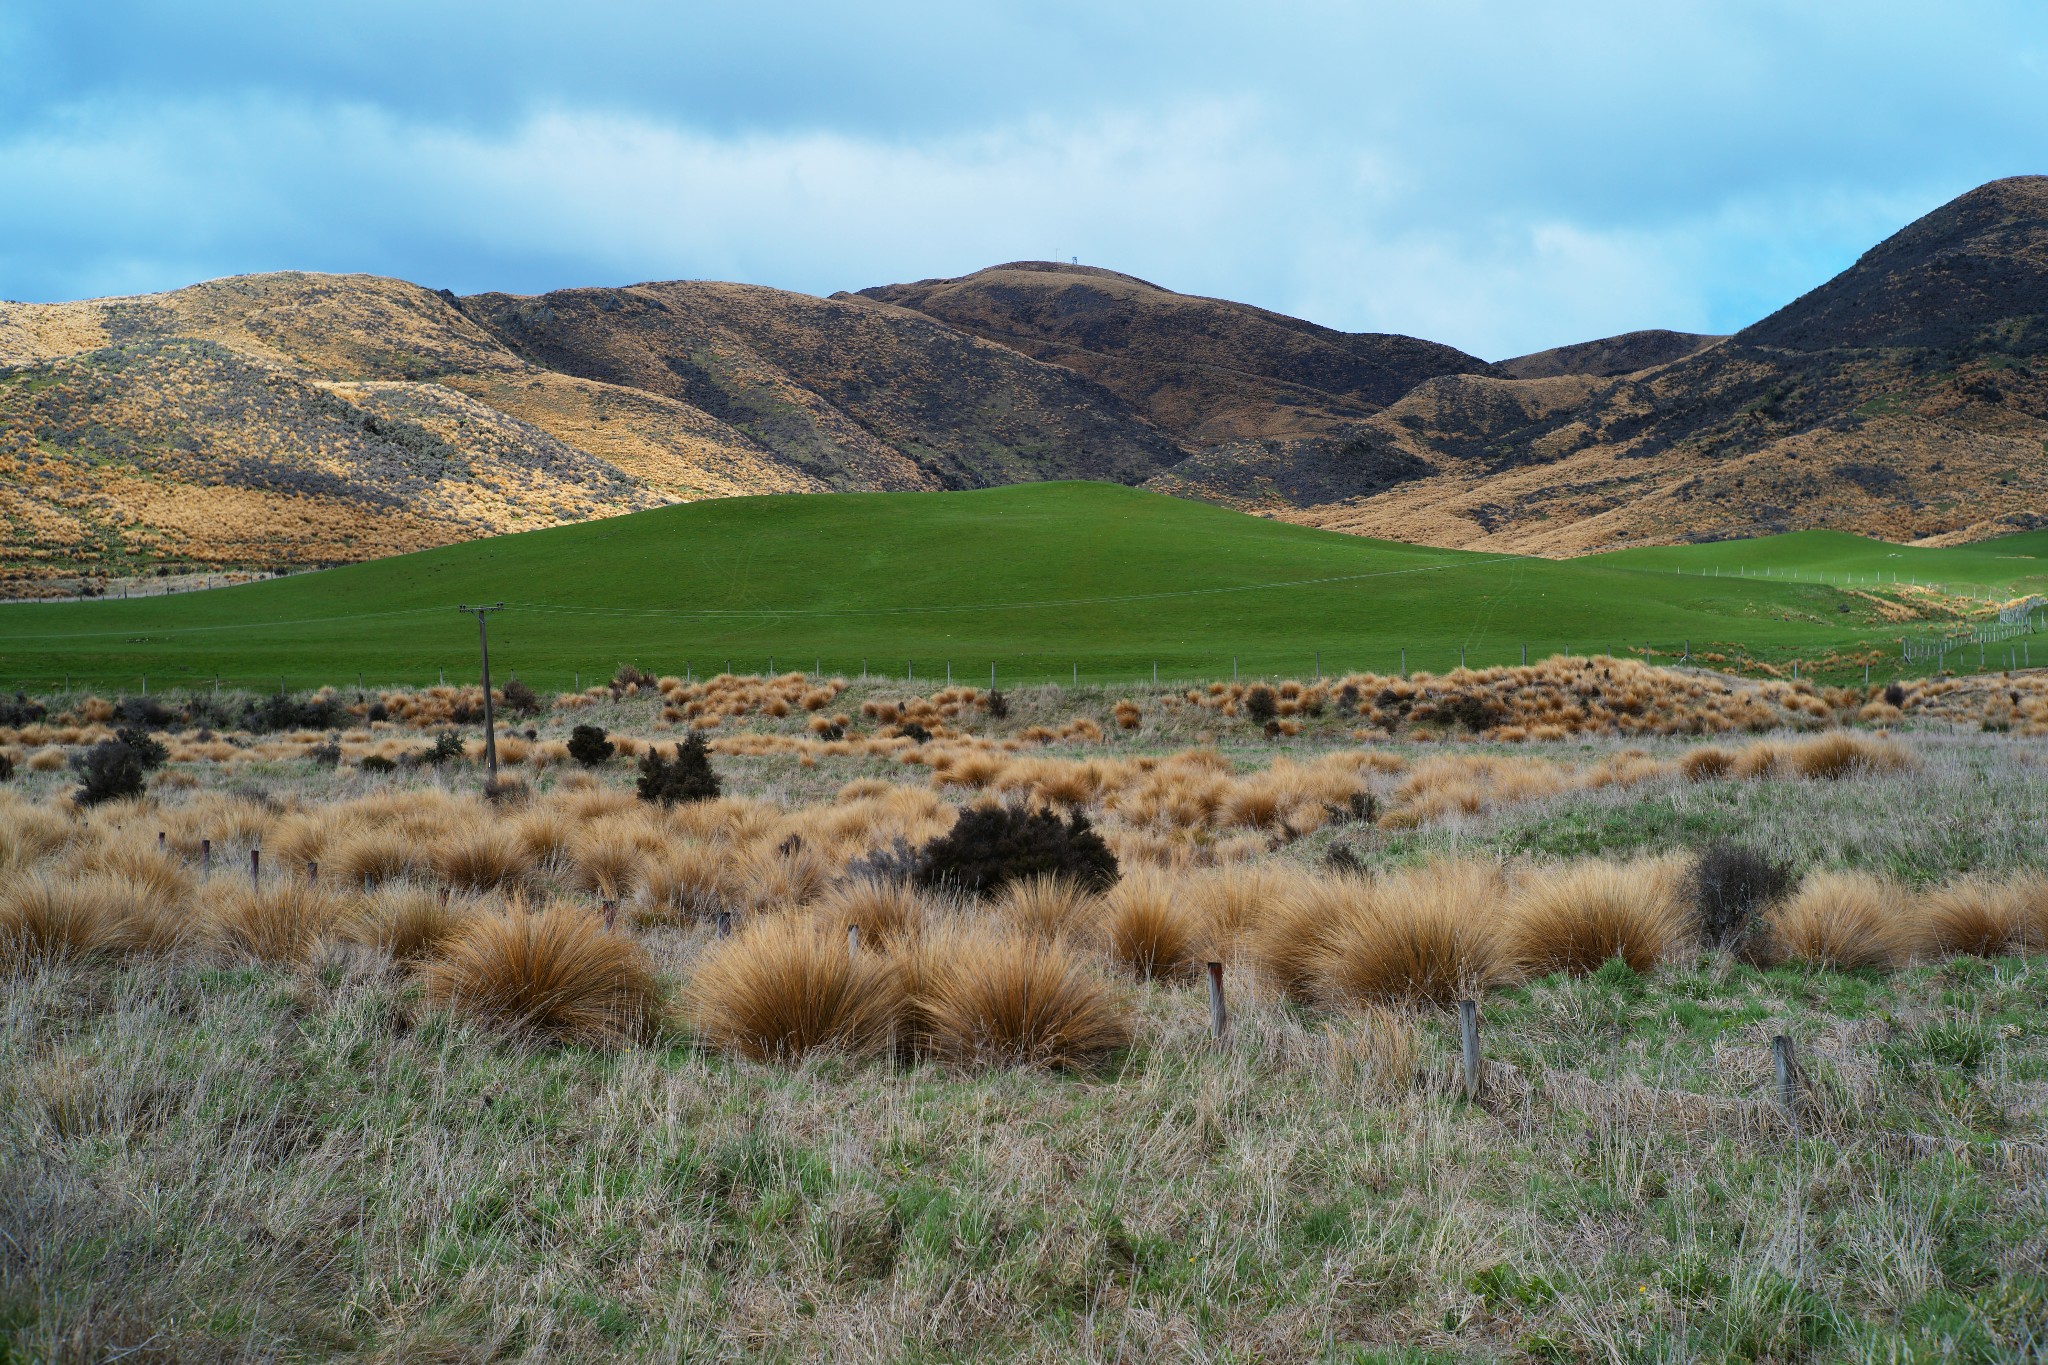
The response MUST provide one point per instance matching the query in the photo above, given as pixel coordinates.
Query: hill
(1204, 370)
(1624, 354)
(1907, 399)
(1043, 580)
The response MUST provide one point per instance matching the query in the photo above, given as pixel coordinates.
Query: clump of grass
(1579, 916)
(480, 857)
(409, 922)
(685, 881)
(1833, 756)
(1705, 764)
(51, 918)
(277, 922)
(1051, 907)
(1148, 925)
(783, 986)
(884, 911)
(1974, 915)
(1843, 920)
(991, 996)
(1429, 934)
(1289, 938)
(557, 975)
(364, 856)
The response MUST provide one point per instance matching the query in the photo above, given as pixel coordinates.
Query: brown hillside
(1205, 370)
(1907, 398)
(1624, 354)
(853, 393)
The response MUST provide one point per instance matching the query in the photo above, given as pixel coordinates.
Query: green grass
(1039, 579)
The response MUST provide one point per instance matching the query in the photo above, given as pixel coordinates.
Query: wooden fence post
(206, 857)
(1468, 1031)
(255, 869)
(1787, 1068)
(1219, 1013)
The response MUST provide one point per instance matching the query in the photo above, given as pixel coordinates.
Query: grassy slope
(1037, 578)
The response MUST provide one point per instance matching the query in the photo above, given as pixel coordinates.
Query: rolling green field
(1045, 581)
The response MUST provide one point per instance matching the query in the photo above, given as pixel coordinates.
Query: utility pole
(483, 636)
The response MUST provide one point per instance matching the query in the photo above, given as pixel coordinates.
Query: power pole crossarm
(483, 637)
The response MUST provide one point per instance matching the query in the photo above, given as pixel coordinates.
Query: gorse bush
(109, 771)
(21, 709)
(521, 699)
(686, 777)
(1261, 704)
(149, 751)
(590, 746)
(285, 712)
(447, 748)
(990, 846)
(376, 763)
(998, 706)
(1730, 885)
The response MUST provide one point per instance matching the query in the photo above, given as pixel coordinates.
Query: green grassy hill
(1040, 579)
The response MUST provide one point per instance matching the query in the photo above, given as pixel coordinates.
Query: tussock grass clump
(1150, 926)
(1430, 934)
(1976, 916)
(1051, 907)
(1581, 915)
(1289, 938)
(409, 922)
(1842, 754)
(686, 881)
(1707, 763)
(51, 918)
(365, 856)
(784, 986)
(998, 996)
(556, 975)
(1844, 920)
(884, 911)
(480, 857)
(278, 922)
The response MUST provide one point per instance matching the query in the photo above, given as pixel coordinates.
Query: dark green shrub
(631, 677)
(914, 732)
(326, 754)
(991, 846)
(447, 748)
(110, 771)
(1894, 694)
(998, 706)
(377, 763)
(21, 709)
(589, 746)
(149, 751)
(1730, 884)
(6, 768)
(1261, 704)
(686, 777)
(286, 712)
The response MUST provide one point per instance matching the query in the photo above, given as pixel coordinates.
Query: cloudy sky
(1499, 176)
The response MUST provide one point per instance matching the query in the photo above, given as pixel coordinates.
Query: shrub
(149, 751)
(326, 754)
(1577, 917)
(145, 712)
(110, 771)
(447, 748)
(686, 777)
(1894, 693)
(989, 996)
(284, 712)
(1730, 884)
(557, 975)
(520, 698)
(998, 706)
(990, 846)
(914, 732)
(21, 709)
(376, 763)
(783, 986)
(1843, 920)
(6, 768)
(1261, 704)
(589, 746)
(895, 863)
(631, 679)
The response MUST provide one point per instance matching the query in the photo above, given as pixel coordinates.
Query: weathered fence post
(1219, 1014)
(1788, 1078)
(853, 940)
(255, 869)
(206, 857)
(1468, 1037)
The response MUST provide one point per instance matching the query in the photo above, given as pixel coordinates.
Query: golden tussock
(1051, 907)
(991, 996)
(556, 975)
(1150, 927)
(1430, 934)
(1576, 917)
(783, 986)
(1844, 920)
(278, 922)
(409, 922)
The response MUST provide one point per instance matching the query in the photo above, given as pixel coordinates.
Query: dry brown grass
(371, 854)
(688, 880)
(556, 975)
(51, 918)
(1975, 916)
(1576, 917)
(1289, 939)
(783, 986)
(1150, 926)
(998, 996)
(409, 922)
(1841, 754)
(884, 912)
(1706, 763)
(278, 922)
(1844, 920)
(1427, 934)
(1051, 907)
(480, 857)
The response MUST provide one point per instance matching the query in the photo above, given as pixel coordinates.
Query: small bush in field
(6, 768)
(1730, 884)
(520, 698)
(589, 745)
(686, 777)
(447, 748)
(998, 706)
(376, 763)
(149, 751)
(110, 771)
(914, 732)
(1261, 705)
(21, 709)
(1894, 694)
(326, 754)
(993, 845)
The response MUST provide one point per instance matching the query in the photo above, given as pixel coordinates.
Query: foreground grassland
(1044, 581)
(239, 1126)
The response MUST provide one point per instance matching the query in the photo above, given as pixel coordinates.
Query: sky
(1502, 177)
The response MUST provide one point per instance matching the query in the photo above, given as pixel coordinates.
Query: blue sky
(1499, 176)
